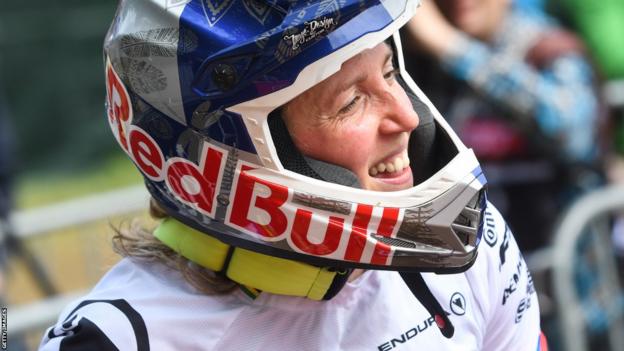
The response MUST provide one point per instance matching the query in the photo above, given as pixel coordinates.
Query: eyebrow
(344, 85)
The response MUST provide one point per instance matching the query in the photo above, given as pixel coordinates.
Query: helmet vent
(464, 233)
(394, 241)
(224, 76)
(466, 225)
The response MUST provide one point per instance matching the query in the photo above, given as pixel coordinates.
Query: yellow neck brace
(248, 268)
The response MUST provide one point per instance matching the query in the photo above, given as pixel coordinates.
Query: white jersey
(146, 306)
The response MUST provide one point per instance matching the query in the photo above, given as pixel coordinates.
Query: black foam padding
(295, 161)
(332, 173)
(430, 148)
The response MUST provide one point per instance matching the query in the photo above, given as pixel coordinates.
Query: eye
(350, 106)
(390, 75)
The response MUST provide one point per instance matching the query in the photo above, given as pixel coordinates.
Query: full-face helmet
(193, 89)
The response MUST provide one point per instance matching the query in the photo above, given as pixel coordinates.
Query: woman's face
(360, 118)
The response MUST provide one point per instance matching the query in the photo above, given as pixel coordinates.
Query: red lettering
(119, 110)
(388, 221)
(300, 230)
(357, 239)
(386, 228)
(146, 154)
(193, 186)
(245, 192)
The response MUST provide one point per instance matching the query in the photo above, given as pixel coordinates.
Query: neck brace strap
(251, 269)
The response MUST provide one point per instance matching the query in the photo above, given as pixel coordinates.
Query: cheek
(346, 145)
(354, 145)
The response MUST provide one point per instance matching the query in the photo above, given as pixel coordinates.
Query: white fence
(62, 215)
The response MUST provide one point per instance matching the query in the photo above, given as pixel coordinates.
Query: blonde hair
(137, 241)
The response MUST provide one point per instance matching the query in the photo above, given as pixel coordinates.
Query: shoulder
(105, 319)
(498, 253)
(503, 284)
(138, 306)
(98, 325)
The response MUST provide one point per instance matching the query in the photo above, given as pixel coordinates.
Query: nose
(398, 115)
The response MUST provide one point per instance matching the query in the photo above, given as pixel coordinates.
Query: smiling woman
(360, 119)
(310, 195)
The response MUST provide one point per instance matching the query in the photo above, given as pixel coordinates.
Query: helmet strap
(419, 288)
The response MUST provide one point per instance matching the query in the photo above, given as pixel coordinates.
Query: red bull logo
(262, 209)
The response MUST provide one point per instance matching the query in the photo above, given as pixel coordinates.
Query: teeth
(398, 164)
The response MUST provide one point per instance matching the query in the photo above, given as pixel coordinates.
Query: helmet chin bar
(446, 262)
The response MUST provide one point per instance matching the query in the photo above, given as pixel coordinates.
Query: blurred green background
(51, 76)
(52, 83)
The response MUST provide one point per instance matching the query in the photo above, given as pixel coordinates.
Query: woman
(281, 142)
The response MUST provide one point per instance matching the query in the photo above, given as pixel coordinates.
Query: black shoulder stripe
(135, 319)
(89, 337)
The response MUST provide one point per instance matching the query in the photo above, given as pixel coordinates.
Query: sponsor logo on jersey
(490, 235)
(523, 306)
(458, 304)
(515, 279)
(408, 335)
(513, 285)
(503, 247)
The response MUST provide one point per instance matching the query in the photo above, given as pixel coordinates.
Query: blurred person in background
(308, 192)
(601, 25)
(535, 6)
(520, 91)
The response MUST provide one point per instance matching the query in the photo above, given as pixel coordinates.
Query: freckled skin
(356, 118)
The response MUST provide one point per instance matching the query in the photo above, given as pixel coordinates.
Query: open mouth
(392, 168)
